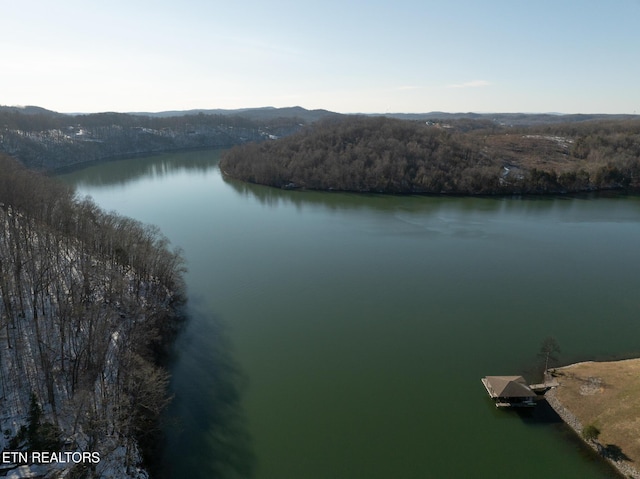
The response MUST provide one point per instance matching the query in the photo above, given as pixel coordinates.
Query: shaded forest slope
(474, 157)
(46, 140)
(89, 304)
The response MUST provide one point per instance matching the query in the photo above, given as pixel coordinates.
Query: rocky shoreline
(623, 467)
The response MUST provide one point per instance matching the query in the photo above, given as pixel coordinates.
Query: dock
(509, 391)
(549, 383)
(544, 387)
(513, 391)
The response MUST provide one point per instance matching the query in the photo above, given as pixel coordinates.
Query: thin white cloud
(470, 84)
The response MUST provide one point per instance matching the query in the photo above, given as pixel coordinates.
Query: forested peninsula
(89, 304)
(458, 156)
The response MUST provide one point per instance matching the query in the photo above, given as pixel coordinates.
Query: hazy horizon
(355, 57)
(186, 110)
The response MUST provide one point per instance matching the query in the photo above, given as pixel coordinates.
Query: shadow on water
(206, 435)
(350, 201)
(544, 415)
(340, 200)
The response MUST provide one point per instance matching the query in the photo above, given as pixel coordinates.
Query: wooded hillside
(45, 140)
(467, 156)
(89, 302)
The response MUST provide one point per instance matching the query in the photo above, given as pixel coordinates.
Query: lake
(337, 335)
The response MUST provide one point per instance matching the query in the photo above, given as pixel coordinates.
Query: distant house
(509, 391)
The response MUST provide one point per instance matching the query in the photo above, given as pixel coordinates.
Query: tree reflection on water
(207, 435)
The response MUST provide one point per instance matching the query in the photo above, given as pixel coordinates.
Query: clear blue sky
(346, 56)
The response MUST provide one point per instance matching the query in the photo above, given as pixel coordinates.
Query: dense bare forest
(46, 140)
(89, 303)
(467, 156)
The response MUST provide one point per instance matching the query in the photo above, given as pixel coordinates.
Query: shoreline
(624, 467)
(610, 192)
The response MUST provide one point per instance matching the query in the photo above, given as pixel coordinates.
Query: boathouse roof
(508, 387)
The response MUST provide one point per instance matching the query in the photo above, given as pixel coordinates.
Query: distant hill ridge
(270, 112)
(260, 113)
(29, 110)
(47, 140)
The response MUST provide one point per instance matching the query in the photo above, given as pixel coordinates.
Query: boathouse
(509, 391)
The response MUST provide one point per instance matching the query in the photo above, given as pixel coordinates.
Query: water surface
(336, 335)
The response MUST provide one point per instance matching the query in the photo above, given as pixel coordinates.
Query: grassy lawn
(607, 395)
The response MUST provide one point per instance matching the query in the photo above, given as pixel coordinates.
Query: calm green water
(344, 336)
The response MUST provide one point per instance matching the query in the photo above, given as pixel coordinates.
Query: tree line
(89, 304)
(378, 154)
